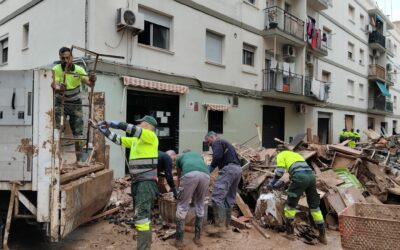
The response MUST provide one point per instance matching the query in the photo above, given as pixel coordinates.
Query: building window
(248, 54)
(394, 129)
(350, 51)
(156, 29)
(326, 76)
(4, 50)
(350, 88)
(362, 21)
(216, 121)
(327, 37)
(214, 47)
(361, 92)
(395, 102)
(252, 1)
(361, 60)
(25, 36)
(351, 12)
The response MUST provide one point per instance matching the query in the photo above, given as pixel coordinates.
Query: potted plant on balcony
(273, 19)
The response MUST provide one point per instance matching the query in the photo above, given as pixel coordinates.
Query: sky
(390, 7)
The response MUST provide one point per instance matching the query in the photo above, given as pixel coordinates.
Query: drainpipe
(86, 23)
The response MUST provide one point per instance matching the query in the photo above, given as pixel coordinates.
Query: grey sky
(391, 8)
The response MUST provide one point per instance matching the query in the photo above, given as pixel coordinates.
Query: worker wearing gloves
(342, 135)
(143, 158)
(357, 135)
(223, 195)
(194, 179)
(353, 138)
(164, 168)
(302, 180)
(67, 78)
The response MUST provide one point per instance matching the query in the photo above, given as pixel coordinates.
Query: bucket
(167, 206)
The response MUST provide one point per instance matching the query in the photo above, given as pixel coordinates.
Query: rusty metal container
(167, 206)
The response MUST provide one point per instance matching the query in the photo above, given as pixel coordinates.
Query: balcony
(380, 104)
(317, 46)
(319, 4)
(286, 27)
(377, 41)
(377, 72)
(317, 89)
(282, 81)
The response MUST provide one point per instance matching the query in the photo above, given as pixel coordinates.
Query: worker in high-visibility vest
(352, 137)
(67, 78)
(143, 159)
(302, 180)
(357, 135)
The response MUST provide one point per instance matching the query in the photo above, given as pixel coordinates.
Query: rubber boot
(219, 221)
(198, 224)
(322, 234)
(143, 240)
(228, 217)
(180, 229)
(289, 229)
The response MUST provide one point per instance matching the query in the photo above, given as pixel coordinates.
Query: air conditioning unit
(288, 53)
(128, 19)
(310, 59)
(300, 108)
(368, 28)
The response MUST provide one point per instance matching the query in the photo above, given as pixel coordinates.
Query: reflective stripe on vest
(299, 166)
(143, 169)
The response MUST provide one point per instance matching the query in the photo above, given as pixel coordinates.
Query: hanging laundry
(314, 39)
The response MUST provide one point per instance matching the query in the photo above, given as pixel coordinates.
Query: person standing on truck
(223, 195)
(194, 179)
(302, 179)
(67, 78)
(164, 169)
(143, 158)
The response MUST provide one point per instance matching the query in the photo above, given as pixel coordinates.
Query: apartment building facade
(221, 65)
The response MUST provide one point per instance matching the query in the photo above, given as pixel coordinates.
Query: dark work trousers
(226, 185)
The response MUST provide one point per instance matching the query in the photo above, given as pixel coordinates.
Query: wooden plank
(297, 140)
(343, 161)
(316, 168)
(258, 181)
(108, 212)
(82, 198)
(243, 207)
(77, 173)
(330, 178)
(307, 154)
(9, 215)
(237, 223)
(344, 143)
(260, 230)
(345, 150)
(22, 198)
(309, 135)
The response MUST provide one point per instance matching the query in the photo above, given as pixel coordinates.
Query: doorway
(163, 107)
(324, 127)
(273, 125)
(384, 128)
(349, 122)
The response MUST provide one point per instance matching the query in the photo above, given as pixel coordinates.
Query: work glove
(92, 79)
(113, 124)
(271, 183)
(173, 190)
(103, 127)
(278, 184)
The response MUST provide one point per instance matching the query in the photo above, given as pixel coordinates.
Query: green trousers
(303, 182)
(144, 194)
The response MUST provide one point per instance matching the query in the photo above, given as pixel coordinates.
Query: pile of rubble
(367, 174)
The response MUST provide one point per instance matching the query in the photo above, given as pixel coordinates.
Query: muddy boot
(143, 240)
(198, 224)
(289, 229)
(322, 234)
(180, 229)
(228, 217)
(219, 221)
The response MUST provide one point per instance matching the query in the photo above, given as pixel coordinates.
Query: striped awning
(217, 107)
(148, 84)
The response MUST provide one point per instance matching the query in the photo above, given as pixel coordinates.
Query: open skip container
(370, 226)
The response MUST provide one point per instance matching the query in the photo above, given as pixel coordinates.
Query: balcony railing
(380, 103)
(282, 81)
(316, 88)
(277, 18)
(376, 70)
(377, 37)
